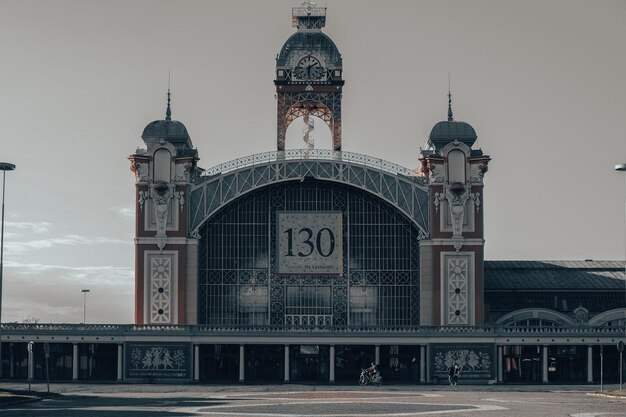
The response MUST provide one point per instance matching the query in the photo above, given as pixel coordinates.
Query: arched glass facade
(238, 279)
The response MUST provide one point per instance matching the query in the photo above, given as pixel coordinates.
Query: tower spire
(168, 111)
(450, 116)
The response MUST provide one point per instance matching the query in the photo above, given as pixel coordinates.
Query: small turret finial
(168, 112)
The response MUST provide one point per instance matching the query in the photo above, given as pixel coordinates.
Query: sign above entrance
(309, 242)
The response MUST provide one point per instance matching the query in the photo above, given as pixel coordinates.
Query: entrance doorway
(522, 364)
(309, 363)
(264, 363)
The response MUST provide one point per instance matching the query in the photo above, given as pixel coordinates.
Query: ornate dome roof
(171, 130)
(307, 41)
(449, 131)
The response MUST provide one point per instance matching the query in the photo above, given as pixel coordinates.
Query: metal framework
(393, 183)
(325, 106)
(238, 280)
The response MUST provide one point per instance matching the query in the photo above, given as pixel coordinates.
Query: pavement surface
(125, 400)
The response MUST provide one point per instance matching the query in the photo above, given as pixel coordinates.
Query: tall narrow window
(456, 167)
(162, 165)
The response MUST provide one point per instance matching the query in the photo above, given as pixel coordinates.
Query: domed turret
(169, 130)
(449, 131)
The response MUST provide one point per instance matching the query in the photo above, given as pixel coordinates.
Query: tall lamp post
(84, 305)
(620, 346)
(4, 167)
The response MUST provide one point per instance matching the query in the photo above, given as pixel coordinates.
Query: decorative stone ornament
(161, 197)
(581, 314)
(457, 197)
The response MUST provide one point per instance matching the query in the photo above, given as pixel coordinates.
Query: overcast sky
(542, 82)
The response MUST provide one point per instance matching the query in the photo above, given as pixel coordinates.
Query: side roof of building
(554, 275)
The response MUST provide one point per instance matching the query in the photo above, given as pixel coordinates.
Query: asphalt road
(307, 400)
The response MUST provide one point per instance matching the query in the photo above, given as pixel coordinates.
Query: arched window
(162, 165)
(456, 166)
(239, 282)
(530, 317)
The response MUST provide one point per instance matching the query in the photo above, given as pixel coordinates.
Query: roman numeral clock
(309, 75)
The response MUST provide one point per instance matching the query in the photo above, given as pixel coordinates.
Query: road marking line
(204, 411)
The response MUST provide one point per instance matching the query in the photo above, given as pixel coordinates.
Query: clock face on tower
(308, 68)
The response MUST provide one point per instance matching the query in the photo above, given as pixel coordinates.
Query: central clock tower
(309, 75)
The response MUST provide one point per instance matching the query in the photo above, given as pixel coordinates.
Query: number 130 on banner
(309, 242)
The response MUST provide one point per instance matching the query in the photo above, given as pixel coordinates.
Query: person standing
(451, 372)
(455, 376)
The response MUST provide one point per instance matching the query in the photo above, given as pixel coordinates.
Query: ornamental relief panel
(442, 207)
(476, 361)
(477, 172)
(161, 284)
(457, 286)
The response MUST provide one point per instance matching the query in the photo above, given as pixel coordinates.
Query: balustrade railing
(314, 154)
(462, 331)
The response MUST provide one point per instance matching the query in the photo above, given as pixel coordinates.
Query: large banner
(309, 242)
(163, 360)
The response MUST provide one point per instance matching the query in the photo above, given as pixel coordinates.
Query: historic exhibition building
(307, 265)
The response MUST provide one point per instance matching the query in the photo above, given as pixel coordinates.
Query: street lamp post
(622, 168)
(84, 305)
(4, 167)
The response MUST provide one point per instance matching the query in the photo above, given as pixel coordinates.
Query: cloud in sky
(14, 248)
(35, 227)
(51, 293)
(125, 212)
(106, 274)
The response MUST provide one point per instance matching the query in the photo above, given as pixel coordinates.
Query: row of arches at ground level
(278, 363)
